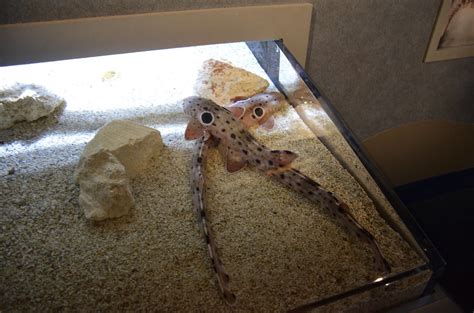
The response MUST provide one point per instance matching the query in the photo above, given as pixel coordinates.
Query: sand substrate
(279, 249)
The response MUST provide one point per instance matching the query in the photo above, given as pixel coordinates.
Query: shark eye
(258, 111)
(207, 118)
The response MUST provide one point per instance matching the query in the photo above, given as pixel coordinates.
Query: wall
(366, 55)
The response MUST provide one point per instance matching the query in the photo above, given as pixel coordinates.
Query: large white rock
(132, 144)
(105, 188)
(119, 151)
(24, 102)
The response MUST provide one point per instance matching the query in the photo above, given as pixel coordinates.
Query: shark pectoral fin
(194, 130)
(234, 161)
(268, 125)
(237, 111)
(284, 157)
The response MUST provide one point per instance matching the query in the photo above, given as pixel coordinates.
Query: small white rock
(105, 188)
(25, 102)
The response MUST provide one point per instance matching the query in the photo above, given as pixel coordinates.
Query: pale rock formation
(105, 188)
(132, 144)
(25, 102)
(119, 151)
(223, 83)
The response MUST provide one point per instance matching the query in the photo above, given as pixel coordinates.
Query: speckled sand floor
(279, 249)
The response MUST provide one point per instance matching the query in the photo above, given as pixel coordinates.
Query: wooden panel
(67, 39)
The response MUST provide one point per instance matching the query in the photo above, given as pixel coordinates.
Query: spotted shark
(211, 123)
(258, 110)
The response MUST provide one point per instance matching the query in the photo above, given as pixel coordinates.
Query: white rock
(23, 102)
(105, 188)
(132, 144)
(119, 151)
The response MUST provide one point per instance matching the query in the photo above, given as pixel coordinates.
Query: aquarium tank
(257, 198)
